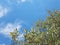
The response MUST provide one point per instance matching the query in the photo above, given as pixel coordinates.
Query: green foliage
(14, 36)
(44, 32)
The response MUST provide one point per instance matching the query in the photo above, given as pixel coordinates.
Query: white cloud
(22, 1)
(5, 30)
(3, 11)
(17, 2)
(9, 28)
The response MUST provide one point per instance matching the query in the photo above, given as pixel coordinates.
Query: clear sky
(22, 14)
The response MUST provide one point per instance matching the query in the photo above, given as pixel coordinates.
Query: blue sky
(22, 14)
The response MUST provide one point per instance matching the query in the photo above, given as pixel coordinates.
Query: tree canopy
(45, 32)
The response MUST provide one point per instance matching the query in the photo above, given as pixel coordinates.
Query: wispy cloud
(9, 28)
(22, 1)
(17, 2)
(3, 11)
